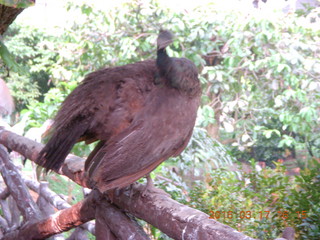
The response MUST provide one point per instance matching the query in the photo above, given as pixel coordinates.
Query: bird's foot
(149, 187)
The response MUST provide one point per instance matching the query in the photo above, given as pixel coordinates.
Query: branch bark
(61, 221)
(45, 207)
(107, 217)
(174, 219)
(50, 196)
(9, 13)
(6, 211)
(7, 16)
(77, 234)
(17, 187)
(4, 194)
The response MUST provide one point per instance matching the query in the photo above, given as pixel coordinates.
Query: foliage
(306, 198)
(269, 75)
(28, 75)
(8, 59)
(39, 112)
(262, 204)
(17, 3)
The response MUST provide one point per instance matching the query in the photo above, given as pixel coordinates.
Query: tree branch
(8, 15)
(17, 187)
(174, 219)
(4, 194)
(107, 215)
(61, 221)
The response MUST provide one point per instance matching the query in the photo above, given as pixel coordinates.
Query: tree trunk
(7, 16)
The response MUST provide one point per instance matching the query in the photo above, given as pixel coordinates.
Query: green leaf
(287, 141)
(9, 60)
(17, 3)
(308, 113)
(268, 133)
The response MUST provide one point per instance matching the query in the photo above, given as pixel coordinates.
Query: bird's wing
(102, 106)
(124, 162)
(160, 131)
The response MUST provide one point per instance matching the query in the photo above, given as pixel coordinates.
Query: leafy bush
(30, 80)
(306, 197)
(261, 204)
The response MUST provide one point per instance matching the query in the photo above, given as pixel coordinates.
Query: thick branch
(174, 219)
(9, 10)
(59, 222)
(17, 187)
(56, 201)
(46, 208)
(4, 194)
(3, 224)
(7, 16)
(107, 216)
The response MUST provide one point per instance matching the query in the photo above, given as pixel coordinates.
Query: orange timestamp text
(256, 214)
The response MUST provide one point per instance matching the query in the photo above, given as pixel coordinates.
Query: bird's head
(164, 39)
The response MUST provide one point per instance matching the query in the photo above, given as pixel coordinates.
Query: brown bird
(142, 114)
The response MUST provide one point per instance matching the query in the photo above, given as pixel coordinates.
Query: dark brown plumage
(142, 114)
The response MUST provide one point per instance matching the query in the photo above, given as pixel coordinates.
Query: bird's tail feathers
(59, 145)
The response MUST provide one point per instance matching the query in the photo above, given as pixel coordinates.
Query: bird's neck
(165, 66)
(163, 62)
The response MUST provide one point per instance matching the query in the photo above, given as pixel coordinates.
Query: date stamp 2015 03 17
(256, 214)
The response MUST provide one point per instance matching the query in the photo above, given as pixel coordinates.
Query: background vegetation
(260, 103)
